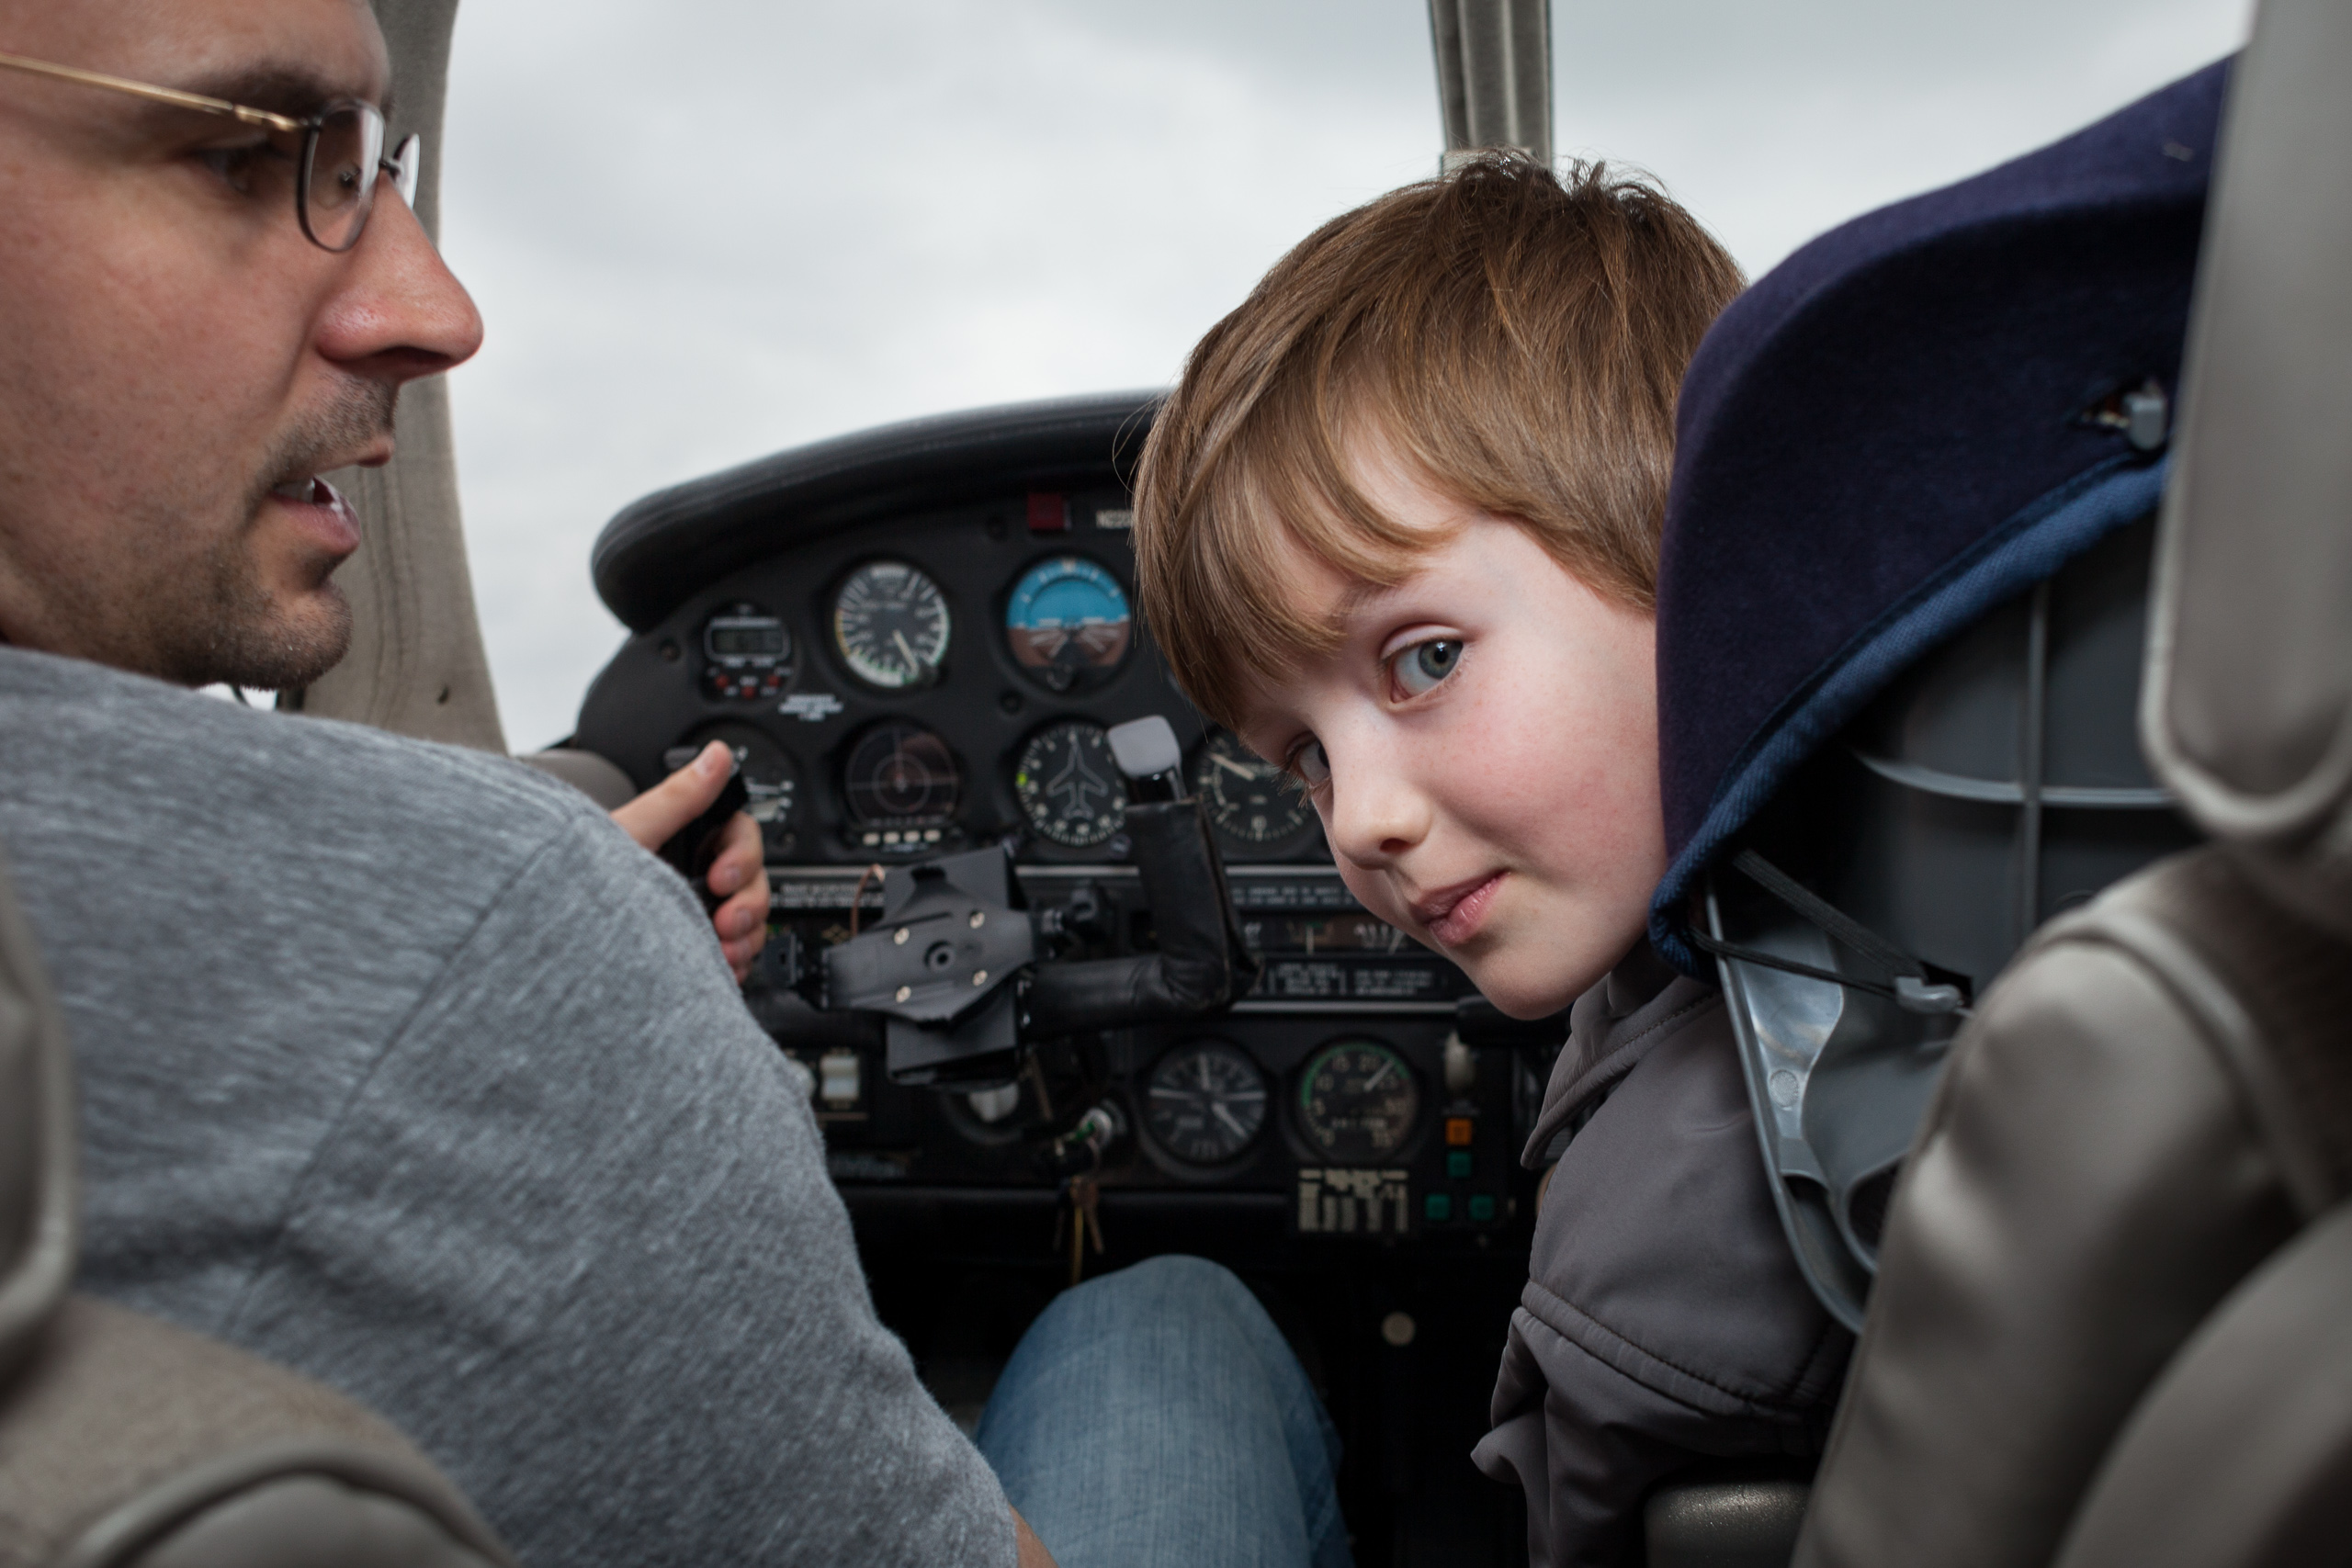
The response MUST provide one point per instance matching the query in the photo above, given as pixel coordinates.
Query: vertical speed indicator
(1255, 806)
(1204, 1102)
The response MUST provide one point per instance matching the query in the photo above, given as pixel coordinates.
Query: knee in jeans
(1192, 1284)
(1179, 1288)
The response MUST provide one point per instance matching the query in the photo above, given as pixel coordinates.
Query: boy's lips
(1452, 915)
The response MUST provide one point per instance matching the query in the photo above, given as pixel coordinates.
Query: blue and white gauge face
(1068, 619)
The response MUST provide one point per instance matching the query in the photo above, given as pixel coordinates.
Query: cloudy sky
(705, 229)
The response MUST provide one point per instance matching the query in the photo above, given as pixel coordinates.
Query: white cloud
(702, 231)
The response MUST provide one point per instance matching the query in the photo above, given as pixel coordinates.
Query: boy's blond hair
(1516, 337)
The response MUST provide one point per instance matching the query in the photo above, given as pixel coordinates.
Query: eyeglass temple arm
(171, 95)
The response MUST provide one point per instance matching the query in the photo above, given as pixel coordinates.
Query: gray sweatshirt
(1664, 1318)
(401, 1066)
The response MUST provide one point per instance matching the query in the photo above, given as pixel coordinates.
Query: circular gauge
(890, 625)
(745, 653)
(1068, 786)
(1358, 1101)
(897, 773)
(1204, 1102)
(1067, 620)
(1252, 804)
(770, 777)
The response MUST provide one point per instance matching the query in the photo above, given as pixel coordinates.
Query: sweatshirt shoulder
(163, 770)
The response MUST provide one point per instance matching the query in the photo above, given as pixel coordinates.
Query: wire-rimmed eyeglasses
(336, 154)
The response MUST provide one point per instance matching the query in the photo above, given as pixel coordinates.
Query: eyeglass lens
(407, 160)
(339, 175)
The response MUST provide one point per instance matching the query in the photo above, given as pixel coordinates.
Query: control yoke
(952, 965)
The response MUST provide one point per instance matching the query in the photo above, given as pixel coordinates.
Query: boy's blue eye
(1424, 664)
(1309, 765)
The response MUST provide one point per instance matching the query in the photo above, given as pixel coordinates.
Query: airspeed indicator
(890, 625)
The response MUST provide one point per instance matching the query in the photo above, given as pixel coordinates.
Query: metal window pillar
(1494, 75)
(416, 665)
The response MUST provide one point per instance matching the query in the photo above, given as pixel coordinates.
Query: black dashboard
(916, 640)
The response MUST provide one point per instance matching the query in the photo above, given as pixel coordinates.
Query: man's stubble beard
(248, 639)
(222, 624)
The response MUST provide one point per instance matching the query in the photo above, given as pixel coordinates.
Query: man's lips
(323, 513)
(1452, 915)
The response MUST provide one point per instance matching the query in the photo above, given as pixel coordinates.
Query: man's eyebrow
(294, 91)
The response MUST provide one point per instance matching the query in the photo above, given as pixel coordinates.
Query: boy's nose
(1375, 813)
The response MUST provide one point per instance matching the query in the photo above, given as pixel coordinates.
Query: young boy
(1398, 528)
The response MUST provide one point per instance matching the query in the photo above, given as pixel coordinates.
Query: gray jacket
(1664, 1319)
(402, 1067)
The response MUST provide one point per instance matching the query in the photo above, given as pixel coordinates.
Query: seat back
(2238, 1458)
(2107, 1316)
(128, 1443)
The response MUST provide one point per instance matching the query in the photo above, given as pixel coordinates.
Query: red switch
(1048, 513)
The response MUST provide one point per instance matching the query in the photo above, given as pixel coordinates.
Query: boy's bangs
(1277, 494)
(1513, 338)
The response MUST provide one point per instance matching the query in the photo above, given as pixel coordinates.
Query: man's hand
(738, 873)
(1032, 1552)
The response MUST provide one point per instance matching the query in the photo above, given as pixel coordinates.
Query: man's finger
(740, 858)
(743, 928)
(654, 818)
(739, 872)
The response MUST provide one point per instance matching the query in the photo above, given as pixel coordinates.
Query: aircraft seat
(126, 1442)
(2109, 1323)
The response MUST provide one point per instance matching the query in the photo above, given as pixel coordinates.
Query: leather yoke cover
(128, 1442)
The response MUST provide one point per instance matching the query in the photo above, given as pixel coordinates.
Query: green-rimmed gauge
(890, 625)
(1358, 1101)
(1068, 785)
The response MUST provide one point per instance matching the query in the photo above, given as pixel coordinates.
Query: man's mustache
(358, 416)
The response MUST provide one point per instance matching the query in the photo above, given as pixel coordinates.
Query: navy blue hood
(1895, 431)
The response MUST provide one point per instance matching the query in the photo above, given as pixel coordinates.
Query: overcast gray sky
(705, 229)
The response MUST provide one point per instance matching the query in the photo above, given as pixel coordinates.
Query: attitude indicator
(1068, 623)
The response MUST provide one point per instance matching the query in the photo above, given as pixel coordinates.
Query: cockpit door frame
(417, 665)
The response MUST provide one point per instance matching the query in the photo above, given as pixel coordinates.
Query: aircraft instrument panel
(910, 665)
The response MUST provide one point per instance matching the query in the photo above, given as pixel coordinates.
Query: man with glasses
(229, 621)
(397, 1064)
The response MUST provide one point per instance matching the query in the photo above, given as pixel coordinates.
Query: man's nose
(1376, 811)
(399, 313)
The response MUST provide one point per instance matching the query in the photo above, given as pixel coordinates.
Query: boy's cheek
(1373, 892)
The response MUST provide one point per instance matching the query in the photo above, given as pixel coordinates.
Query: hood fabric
(1896, 429)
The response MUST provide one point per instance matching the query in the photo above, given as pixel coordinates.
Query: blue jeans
(1154, 1418)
